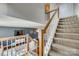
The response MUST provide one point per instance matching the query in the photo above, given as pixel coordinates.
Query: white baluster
(11, 46)
(7, 47)
(50, 33)
(15, 45)
(18, 46)
(1, 50)
(24, 46)
(27, 37)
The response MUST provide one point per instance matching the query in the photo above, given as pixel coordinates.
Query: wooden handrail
(51, 11)
(12, 38)
(48, 23)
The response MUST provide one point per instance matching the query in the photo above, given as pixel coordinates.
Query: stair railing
(46, 34)
(16, 46)
(9, 46)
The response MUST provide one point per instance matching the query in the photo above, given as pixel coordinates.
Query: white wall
(32, 12)
(53, 6)
(66, 10)
(3, 8)
(35, 12)
(76, 9)
(8, 31)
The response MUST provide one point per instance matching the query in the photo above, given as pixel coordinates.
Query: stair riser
(72, 19)
(68, 20)
(54, 54)
(67, 43)
(62, 51)
(68, 26)
(68, 36)
(68, 23)
(68, 31)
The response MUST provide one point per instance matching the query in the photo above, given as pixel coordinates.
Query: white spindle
(7, 47)
(27, 37)
(15, 46)
(11, 46)
(50, 33)
(13, 49)
(1, 52)
(24, 49)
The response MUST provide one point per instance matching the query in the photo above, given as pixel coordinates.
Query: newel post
(41, 41)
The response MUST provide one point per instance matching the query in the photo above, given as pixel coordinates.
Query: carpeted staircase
(66, 40)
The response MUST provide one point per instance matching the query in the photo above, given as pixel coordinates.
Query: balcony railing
(17, 46)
